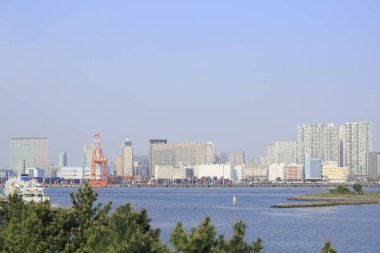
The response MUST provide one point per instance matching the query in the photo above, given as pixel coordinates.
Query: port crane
(98, 159)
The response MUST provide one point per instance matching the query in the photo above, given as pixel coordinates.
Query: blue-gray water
(354, 228)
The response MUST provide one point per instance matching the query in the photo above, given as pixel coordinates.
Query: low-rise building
(77, 173)
(213, 170)
(173, 172)
(276, 171)
(294, 172)
(334, 174)
(239, 173)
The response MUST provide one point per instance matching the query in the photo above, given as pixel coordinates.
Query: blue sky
(240, 73)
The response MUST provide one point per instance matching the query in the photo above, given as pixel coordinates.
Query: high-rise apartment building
(374, 164)
(32, 151)
(127, 153)
(357, 144)
(319, 140)
(62, 159)
(271, 157)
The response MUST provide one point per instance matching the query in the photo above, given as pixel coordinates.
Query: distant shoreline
(212, 185)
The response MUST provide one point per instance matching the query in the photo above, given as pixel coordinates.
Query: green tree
(358, 188)
(327, 248)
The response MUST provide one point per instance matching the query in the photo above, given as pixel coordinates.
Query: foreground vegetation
(86, 227)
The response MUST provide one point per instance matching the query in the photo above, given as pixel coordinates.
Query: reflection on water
(283, 230)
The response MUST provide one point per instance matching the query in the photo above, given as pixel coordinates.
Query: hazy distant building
(160, 153)
(313, 168)
(237, 158)
(119, 165)
(87, 154)
(356, 144)
(32, 151)
(374, 164)
(62, 159)
(221, 158)
(331, 172)
(141, 165)
(318, 140)
(281, 152)
(184, 154)
(127, 152)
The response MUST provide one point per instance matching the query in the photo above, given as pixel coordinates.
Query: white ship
(28, 189)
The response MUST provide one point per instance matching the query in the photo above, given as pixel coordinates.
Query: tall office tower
(160, 153)
(119, 165)
(374, 164)
(237, 158)
(34, 151)
(127, 158)
(62, 159)
(210, 152)
(271, 157)
(87, 152)
(357, 143)
(319, 140)
(313, 168)
(188, 154)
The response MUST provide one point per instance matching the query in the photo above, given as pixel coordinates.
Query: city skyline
(242, 75)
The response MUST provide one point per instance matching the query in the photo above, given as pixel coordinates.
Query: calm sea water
(354, 228)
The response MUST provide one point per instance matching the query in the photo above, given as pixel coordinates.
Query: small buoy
(234, 200)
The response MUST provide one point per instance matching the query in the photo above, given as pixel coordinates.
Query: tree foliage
(340, 189)
(358, 188)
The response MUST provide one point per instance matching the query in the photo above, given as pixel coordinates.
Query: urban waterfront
(350, 228)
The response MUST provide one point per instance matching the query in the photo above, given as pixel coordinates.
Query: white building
(81, 173)
(171, 172)
(87, 152)
(127, 153)
(35, 172)
(276, 171)
(239, 173)
(213, 170)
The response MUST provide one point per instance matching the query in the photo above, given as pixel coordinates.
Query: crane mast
(98, 159)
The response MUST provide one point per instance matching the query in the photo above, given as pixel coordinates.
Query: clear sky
(240, 73)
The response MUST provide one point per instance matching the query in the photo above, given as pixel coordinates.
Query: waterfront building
(173, 172)
(213, 170)
(276, 171)
(319, 140)
(62, 159)
(332, 173)
(190, 154)
(313, 168)
(294, 172)
(127, 152)
(260, 174)
(357, 144)
(374, 164)
(239, 173)
(31, 151)
(237, 158)
(35, 172)
(119, 165)
(77, 173)
(87, 154)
